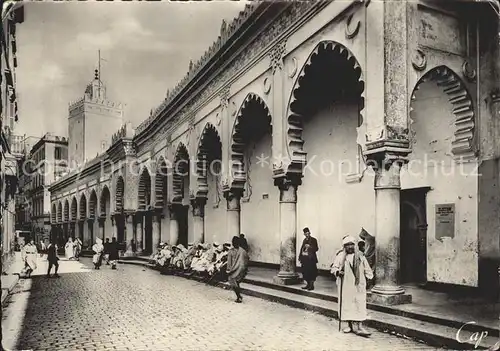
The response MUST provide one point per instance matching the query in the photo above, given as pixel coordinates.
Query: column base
(287, 279)
(128, 253)
(386, 297)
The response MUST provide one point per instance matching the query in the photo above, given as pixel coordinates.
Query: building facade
(12, 15)
(46, 161)
(334, 115)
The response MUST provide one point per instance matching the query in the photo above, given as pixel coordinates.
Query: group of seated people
(205, 260)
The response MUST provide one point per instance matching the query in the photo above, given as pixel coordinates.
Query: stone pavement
(134, 308)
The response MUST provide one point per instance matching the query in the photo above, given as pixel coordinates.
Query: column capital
(288, 188)
(198, 206)
(172, 208)
(101, 220)
(233, 197)
(393, 147)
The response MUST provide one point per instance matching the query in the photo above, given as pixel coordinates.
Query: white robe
(69, 250)
(353, 297)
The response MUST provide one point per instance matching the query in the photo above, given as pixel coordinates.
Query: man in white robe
(352, 270)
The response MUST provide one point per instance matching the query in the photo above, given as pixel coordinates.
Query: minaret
(92, 121)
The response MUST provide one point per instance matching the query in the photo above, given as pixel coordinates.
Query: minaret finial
(96, 74)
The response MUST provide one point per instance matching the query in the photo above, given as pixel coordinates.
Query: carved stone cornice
(224, 97)
(277, 55)
(172, 110)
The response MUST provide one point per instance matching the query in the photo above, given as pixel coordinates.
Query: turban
(348, 240)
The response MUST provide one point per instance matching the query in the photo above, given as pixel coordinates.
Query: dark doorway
(148, 233)
(413, 236)
(182, 217)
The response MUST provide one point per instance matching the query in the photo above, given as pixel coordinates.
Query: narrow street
(134, 308)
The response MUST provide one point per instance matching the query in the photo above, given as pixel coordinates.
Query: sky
(146, 46)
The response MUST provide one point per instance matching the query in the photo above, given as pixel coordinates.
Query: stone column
(233, 225)
(198, 206)
(129, 234)
(90, 227)
(102, 221)
(174, 225)
(156, 235)
(387, 289)
(138, 232)
(288, 232)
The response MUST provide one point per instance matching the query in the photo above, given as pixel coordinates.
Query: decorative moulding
(350, 33)
(468, 71)
(419, 61)
(353, 178)
(293, 69)
(267, 85)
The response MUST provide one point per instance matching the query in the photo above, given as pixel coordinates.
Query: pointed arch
(83, 207)
(93, 204)
(252, 109)
(209, 152)
(181, 170)
(344, 69)
(59, 212)
(144, 189)
(161, 183)
(104, 199)
(119, 194)
(74, 209)
(66, 210)
(463, 145)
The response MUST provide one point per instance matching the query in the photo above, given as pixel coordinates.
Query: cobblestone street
(134, 308)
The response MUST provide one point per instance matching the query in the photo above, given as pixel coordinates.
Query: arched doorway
(119, 219)
(82, 221)
(65, 224)
(104, 213)
(208, 170)
(92, 225)
(145, 211)
(74, 217)
(325, 112)
(251, 141)
(160, 203)
(443, 158)
(180, 197)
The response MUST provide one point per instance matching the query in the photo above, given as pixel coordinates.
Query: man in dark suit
(308, 259)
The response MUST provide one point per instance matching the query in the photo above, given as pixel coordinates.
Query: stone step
(434, 331)
(430, 333)
(424, 316)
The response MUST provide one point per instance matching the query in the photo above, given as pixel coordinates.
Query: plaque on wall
(445, 221)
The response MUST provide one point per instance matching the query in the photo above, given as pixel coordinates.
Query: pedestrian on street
(78, 248)
(69, 249)
(237, 267)
(309, 259)
(42, 248)
(106, 251)
(52, 258)
(113, 253)
(98, 249)
(243, 242)
(29, 255)
(351, 269)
